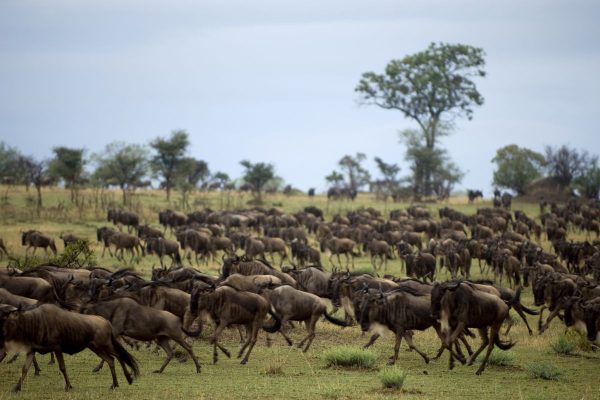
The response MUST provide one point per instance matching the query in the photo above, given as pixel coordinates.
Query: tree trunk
(124, 195)
(168, 187)
(39, 193)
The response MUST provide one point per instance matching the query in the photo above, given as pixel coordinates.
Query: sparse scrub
(500, 358)
(392, 378)
(564, 345)
(544, 370)
(349, 357)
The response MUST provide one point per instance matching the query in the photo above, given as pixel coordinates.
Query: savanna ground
(281, 371)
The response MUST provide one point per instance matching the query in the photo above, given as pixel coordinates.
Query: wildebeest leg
(26, 366)
(371, 340)
(51, 362)
(10, 360)
(464, 341)
(287, 339)
(36, 367)
(163, 342)
(253, 337)
(247, 342)
(63, 370)
(483, 332)
(310, 327)
(330, 260)
(540, 320)
(411, 345)
(188, 348)
(394, 357)
(214, 340)
(493, 334)
(99, 366)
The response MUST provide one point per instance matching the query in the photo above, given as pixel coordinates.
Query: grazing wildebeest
(122, 217)
(461, 306)
(295, 305)
(227, 306)
(131, 319)
(474, 194)
(48, 328)
(164, 247)
(337, 246)
(35, 239)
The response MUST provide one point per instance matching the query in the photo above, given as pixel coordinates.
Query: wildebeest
(337, 246)
(303, 253)
(341, 193)
(420, 265)
(474, 194)
(102, 235)
(251, 283)
(233, 265)
(227, 306)
(124, 241)
(548, 290)
(48, 328)
(164, 247)
(460, 306)
(379, 249)
(295, 305)
(122, 217)
(131, 319)
(312, 280)
(3, 250)
(35, 239)
(274, 245)
(146, 231)
(28, 286)
(172, 219)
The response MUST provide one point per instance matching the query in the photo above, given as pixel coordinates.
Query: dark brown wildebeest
(146, 231)
(413, 238)
(401, 310)
(131, 319)
(461, 306)
(251, 283)
(295, 305)
(227, 306)
(102, 235)
(221, 243)
(254, 248)
(164, 247)
(14, 300)
(548, 290)
(192, 240)
(32, 287)
(48, 328)
(336, 246)
(303, 253)
(379, 248)
(124, 241)
(275, 245)
(69, 238)
(172, 219)
(237, 265)
(312, 280)
(35, 239)
(122, 217)
(474, 194)
(420, 265)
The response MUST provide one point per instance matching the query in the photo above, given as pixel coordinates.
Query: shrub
(500, 358)
(348, 356)
(544, 370)
(392, 377)
(564, 345)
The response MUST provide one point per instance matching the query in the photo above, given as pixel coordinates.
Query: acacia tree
(334, 179)
(122, 164)
(516, 167)
(169, 155)
(588, 181)
(432, 87)
(389, 172)
(565, 164)
(68, 164)
(356, 174)
(190, 173)
(36, 173)
(257, 175)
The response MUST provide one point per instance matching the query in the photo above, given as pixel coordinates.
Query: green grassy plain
(280, 371)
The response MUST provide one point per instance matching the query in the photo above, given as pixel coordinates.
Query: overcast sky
(272, 80)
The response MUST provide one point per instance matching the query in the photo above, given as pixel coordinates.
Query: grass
(564, 345)
(544, 370)
(392, 378)
(280, 371)
(500, 358)
(349, 357)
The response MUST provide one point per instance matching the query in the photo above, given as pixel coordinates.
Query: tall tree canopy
(169, 155)
(433, 88)
(357, 175)
(68, 165)
(257, 175)
(565, 164)
(516, 167)
(122, 164)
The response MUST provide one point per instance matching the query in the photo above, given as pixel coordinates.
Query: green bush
(392, 378)
(544, 370)
(348, 356)
(500, 358)
(564, 345)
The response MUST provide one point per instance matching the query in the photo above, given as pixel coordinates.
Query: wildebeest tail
(276, 324)
(178, 258)
(334, 320)
(515, 302)
(503, 345)
(126, 358)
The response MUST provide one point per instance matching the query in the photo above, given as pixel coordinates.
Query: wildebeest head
(200, 297)
(437, 293)
(228, 263)
(591, 313)
(372, 307)
(539, 286)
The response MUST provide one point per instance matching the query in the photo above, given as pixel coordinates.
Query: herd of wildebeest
(50, 309)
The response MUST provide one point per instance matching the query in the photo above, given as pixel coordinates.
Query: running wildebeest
(337, 246)
(48, 328)
(163, 247)
(35, 239)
